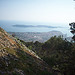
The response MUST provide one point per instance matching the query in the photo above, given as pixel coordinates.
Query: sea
(8, 26)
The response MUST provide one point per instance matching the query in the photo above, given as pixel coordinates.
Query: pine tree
(72, 27)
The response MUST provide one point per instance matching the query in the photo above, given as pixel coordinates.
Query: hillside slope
(17, 59)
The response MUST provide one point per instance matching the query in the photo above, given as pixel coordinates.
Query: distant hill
(36, 36)
(17, 59)
(34, 26)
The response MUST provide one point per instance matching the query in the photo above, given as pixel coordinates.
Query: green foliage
(58, 53)
(50, 61)
(56, 43)
(72, 27)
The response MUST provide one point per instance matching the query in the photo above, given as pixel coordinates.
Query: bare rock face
(17, 59)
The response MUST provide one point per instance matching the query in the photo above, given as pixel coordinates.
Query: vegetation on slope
(17, 59)
(58, 53)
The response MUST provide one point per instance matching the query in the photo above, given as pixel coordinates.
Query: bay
(8, 26)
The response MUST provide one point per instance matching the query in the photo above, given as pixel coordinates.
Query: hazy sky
(55, 11)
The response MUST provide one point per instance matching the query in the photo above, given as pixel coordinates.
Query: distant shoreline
(34, 26)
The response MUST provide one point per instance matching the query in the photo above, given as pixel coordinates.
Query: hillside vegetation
(56, 56)
(17, 59)
(59, 54)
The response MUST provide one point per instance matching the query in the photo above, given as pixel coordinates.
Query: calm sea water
(8, 26)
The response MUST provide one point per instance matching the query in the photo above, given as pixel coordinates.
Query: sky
(43, 11)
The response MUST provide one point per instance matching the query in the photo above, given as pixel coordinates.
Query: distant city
(38, 36)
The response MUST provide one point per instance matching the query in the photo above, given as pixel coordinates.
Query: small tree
(72, 27)
(13, 35)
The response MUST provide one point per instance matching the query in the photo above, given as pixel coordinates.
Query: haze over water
(8, 26)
